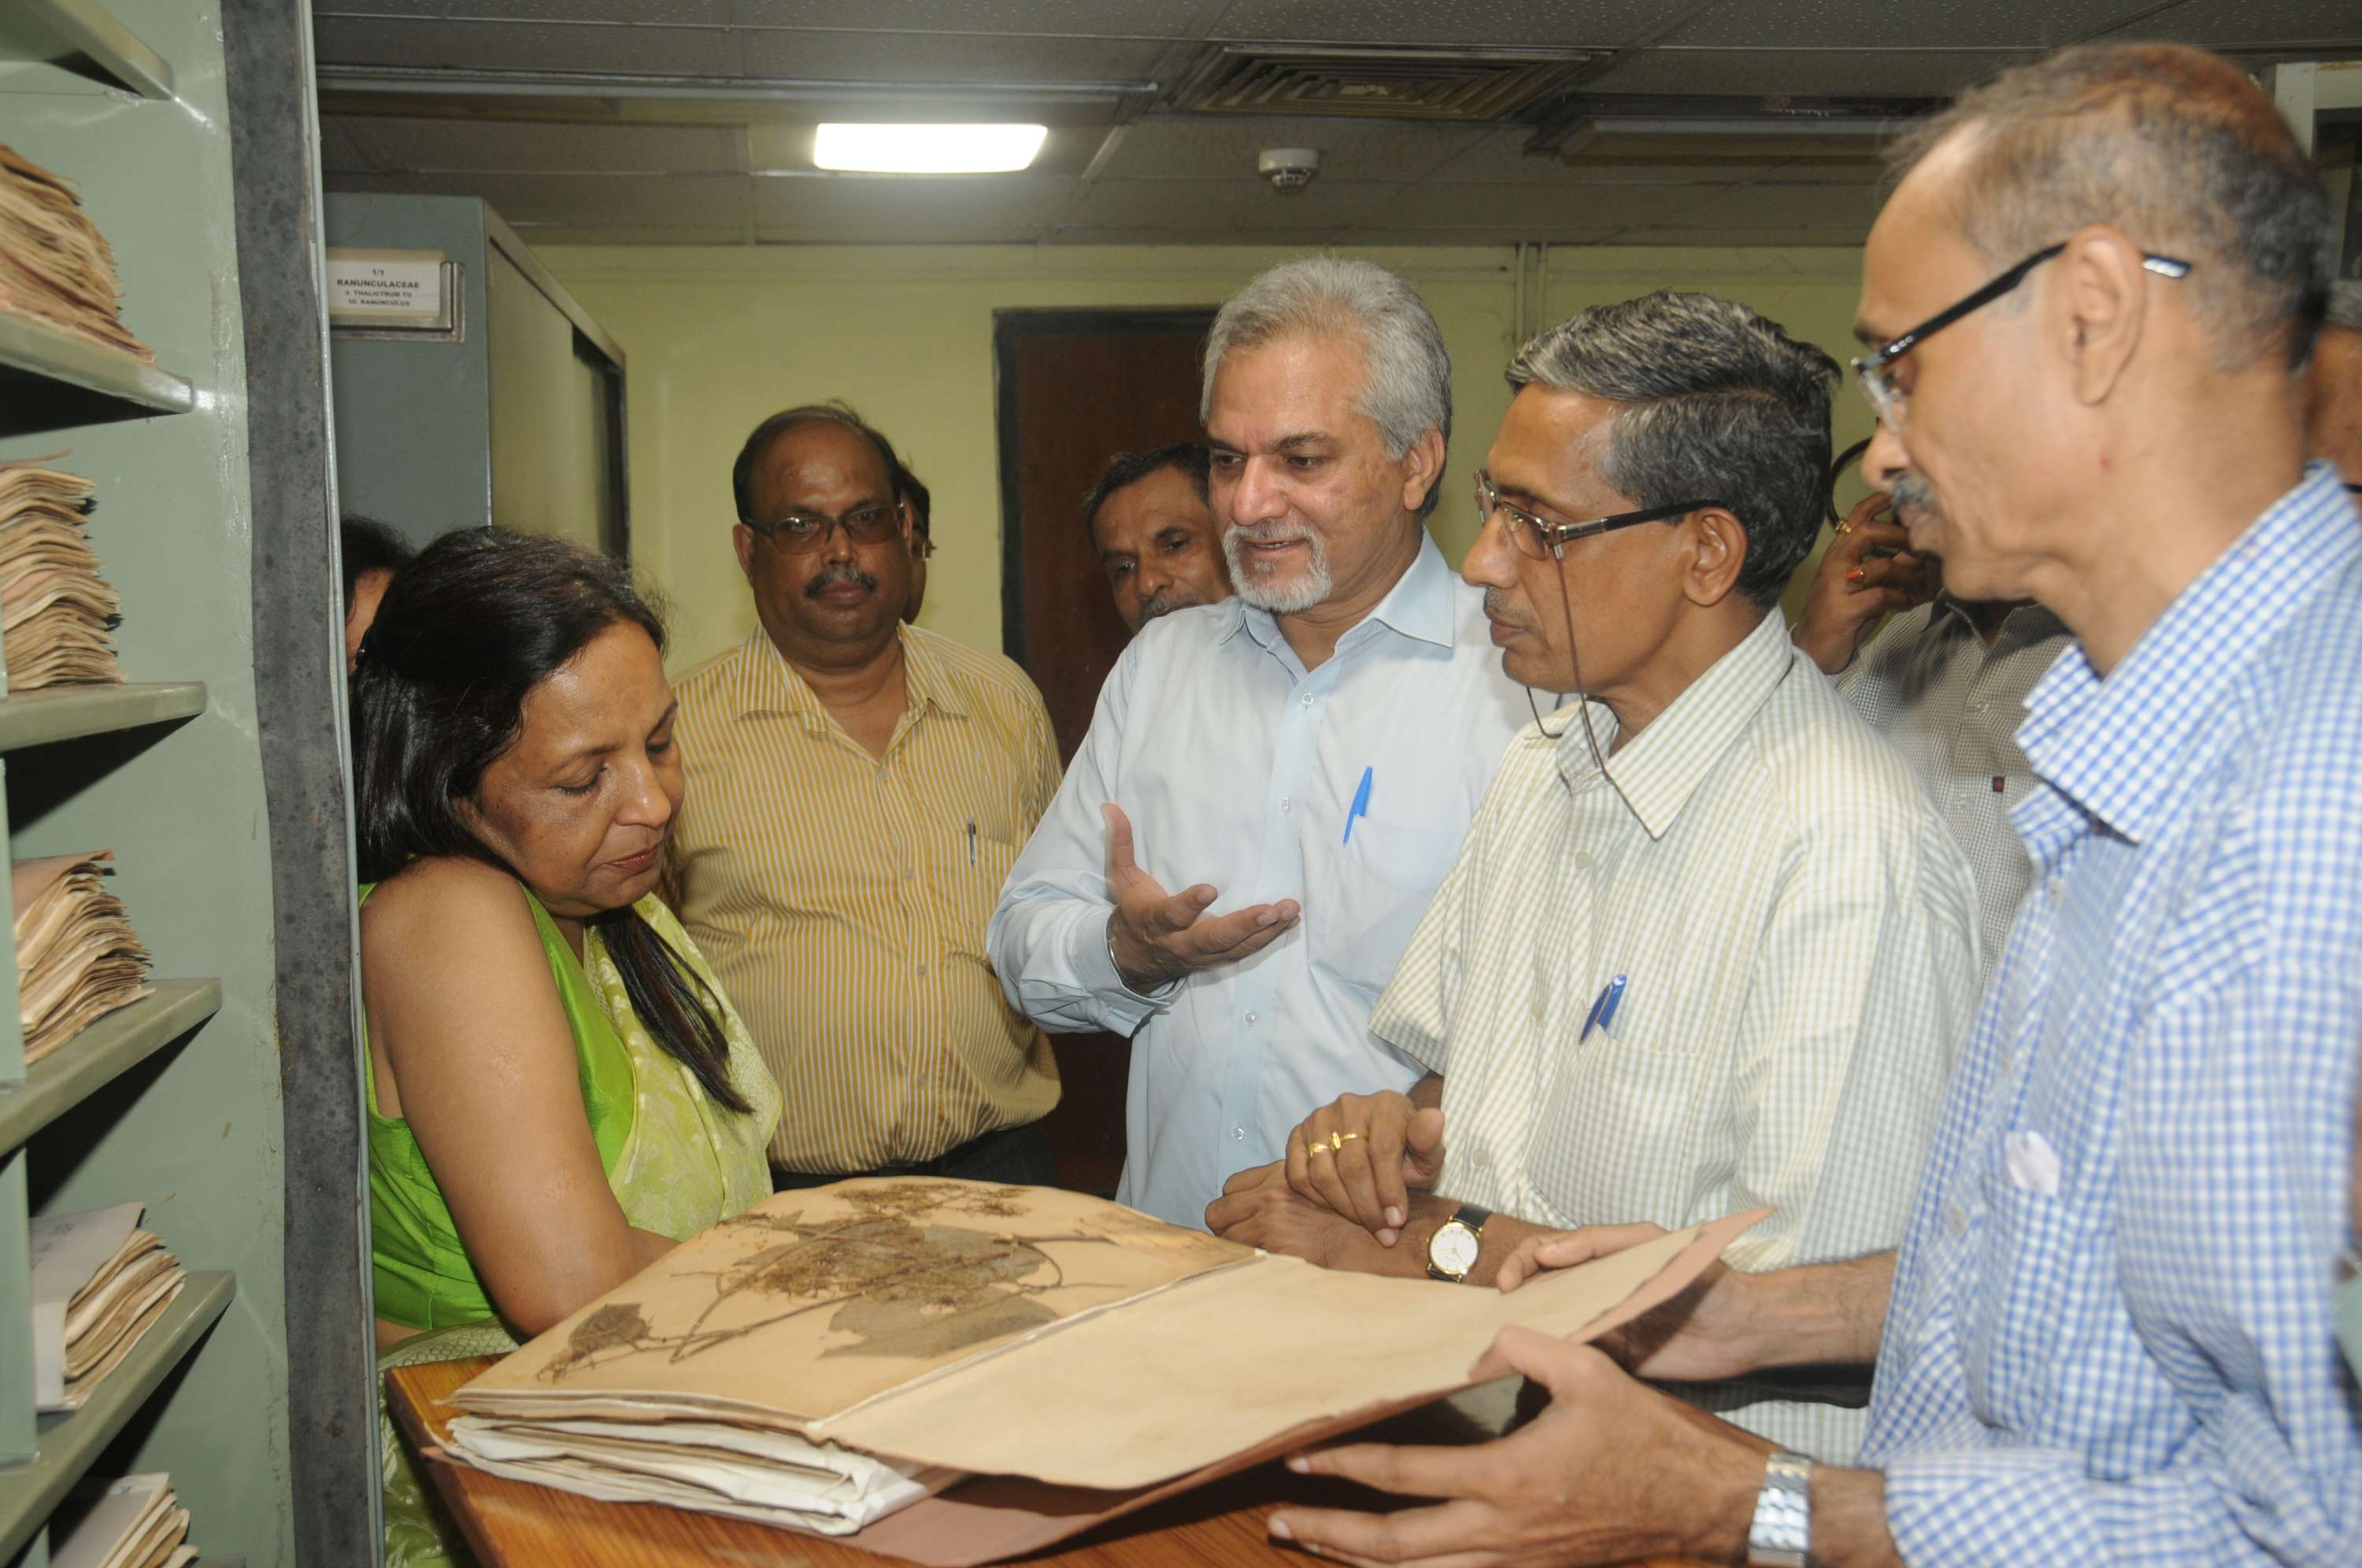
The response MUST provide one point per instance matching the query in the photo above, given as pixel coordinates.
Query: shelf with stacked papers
(64, 712)
(33, 349)
(89, 30)
(69, 1444)
(100, 1054)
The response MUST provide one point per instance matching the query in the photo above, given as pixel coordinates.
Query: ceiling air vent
(1475, 85)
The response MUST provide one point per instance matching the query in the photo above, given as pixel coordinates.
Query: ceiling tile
(2335, 25)
(633, 201)
(1882, 24)
(526, 46)
(546, 146)
(1071, 18)
(1662, 159)
(1591, 23)
(948, 57)
(906, 206)
(376, 9)
(1222, 145)
(1217, 209)
(674, 13)
(340, 150)
(1805, 72)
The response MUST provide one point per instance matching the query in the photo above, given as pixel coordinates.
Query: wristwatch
(1782, 1533)
(1451, 1251)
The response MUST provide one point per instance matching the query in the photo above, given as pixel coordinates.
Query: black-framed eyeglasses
(800, 533)
(1875, 371)
(1542, 539)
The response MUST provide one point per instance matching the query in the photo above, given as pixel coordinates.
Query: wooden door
(1074, 388)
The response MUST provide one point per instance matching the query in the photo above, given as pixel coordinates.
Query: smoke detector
(1289, 169)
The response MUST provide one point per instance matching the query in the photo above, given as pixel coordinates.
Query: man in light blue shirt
(2107, 1336)
(1272, 786)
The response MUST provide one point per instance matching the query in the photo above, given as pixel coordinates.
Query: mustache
(1912, 490)
(844, 571)
(1496, 606)
(1266, 532)
(1166, 602)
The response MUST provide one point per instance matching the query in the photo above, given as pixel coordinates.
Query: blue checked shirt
(2111, 1336)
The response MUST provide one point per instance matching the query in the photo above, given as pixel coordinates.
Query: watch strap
(1781, 1532)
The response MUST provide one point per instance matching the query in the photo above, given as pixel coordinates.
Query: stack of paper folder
(55, 267)
(56, 611)
(76, 955)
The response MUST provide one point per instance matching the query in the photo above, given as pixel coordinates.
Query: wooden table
(512, 1524)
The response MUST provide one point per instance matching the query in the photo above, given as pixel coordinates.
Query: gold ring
(1346, 1137)
(1318, 1148)
(1845, 525)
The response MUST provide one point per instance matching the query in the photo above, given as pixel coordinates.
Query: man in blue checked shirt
(2108, 1334)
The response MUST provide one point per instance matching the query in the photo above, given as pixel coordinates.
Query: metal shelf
(64, 712)
(48, 354)
(101, 1052)
(89, 30)
(70, 1443)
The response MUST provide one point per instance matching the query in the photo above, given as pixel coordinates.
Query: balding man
(858, 789)
(2107, 1335)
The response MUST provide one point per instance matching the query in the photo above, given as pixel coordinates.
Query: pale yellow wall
(716, 339)
(548, 470)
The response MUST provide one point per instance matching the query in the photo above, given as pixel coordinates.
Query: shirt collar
(2115, 746)
(1419, 605)
(774, 687)
(1665, 764)
(2026, 623)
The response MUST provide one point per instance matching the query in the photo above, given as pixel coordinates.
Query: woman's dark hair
(465, 632)
(368, 545)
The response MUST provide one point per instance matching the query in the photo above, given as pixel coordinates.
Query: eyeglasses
(1891, 401)
(1541, 539)
(800, 533)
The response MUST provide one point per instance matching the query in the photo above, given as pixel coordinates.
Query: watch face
(1453, 1248)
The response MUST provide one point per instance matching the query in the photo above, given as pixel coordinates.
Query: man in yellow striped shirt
(856, 790)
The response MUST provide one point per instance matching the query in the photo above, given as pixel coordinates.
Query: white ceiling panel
(2248, 24)
(627, 201)
(948, 57)
(526, 46)
(538, 145)
(1226, 208)
(1591, 22)
(1919, 24)
(1841, 72)
(1222, 147)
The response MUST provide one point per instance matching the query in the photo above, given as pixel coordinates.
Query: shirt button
(923, 971)
(1956, 1219)
(908, 875)
(1584, 861)
(1307, 699)
(1251, 1016)
(1980, 706)
(2057, 890)
(1536, 1011)
(1286, 805)
(1239, 1133)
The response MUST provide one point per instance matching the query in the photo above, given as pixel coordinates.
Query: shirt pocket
(970, 866)
(1616, 1136)
(1366, 898)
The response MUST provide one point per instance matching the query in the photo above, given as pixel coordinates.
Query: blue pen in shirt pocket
(1603, 1009)
(1361, 806)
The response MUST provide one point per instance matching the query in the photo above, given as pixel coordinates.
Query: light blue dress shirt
(2111, 1337)
(1238, 767)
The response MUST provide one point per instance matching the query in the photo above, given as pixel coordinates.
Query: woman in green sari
(558, 1091)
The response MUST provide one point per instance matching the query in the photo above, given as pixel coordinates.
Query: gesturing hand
(1851, 588)
(1360, 1156)
(1158, 936)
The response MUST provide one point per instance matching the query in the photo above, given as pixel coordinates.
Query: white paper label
(386, 291)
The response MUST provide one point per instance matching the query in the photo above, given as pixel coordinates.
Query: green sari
(677, 1161)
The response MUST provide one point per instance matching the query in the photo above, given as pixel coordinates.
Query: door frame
(1012, 329)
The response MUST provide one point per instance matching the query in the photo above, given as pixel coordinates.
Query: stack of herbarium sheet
(56, 611)
(76, 955)
(55, 268)
(133, 1522)
(99, 1283)
(834, 1359)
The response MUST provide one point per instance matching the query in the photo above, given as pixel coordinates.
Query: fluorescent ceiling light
(927, 150)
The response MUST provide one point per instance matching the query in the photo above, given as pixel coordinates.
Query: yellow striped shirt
(842, 898)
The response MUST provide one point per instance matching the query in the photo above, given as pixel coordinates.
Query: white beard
(1311, 586)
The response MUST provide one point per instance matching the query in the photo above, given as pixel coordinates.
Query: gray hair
(1716, 402)
(1407, 389)
(2173, 146)
(2344, 304)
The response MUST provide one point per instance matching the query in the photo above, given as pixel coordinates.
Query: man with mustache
(1272, 786)
(1152, 521)
(2108, 1333)
(857, 788)
(1706, 948)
